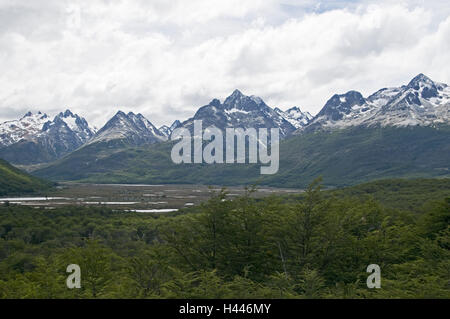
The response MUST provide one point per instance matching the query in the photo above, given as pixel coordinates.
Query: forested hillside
(14, 181)
(343, 157)
(403, 194)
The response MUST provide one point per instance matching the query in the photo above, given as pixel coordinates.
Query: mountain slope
(343, 157)
(395, 132)
(15, 182)
(360, 154)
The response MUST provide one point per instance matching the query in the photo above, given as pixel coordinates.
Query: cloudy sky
(165, 59)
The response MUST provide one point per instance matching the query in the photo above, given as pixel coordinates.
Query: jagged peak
(353, 93)
(120, 113)
(38, 114)
(240, 100)
(68, 113)
(295, 109)
(137, 118)
(298, 110)
(215, 102)
(236, 92)
(290, 110)
(425, 86)
(236, 95)
(351, 97)
(175, 124)
(420, 79)
(130, 116)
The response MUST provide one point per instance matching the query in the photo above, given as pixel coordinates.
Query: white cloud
(165, 59)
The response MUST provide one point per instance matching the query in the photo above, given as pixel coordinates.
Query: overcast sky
(165, 59)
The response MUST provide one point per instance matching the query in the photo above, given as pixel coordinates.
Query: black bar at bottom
(233, 308)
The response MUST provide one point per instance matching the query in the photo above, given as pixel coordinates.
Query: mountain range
(129, 148)
(242, 111)
(35, 138)
(421, 102)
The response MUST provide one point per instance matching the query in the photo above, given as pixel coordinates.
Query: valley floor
(141, 198)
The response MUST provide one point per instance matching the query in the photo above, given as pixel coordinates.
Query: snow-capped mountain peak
(295, 116)
(47, 139)
(342, 104)
(75, 123)
(38, 115)
(240, 111)
(237, 100)
(420, 80)
(134, 128)
(175, 125)
(420, 102)
(27, 127)
(234, 98)
(167, 131)
(424, 86)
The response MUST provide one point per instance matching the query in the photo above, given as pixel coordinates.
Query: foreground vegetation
(314, 246)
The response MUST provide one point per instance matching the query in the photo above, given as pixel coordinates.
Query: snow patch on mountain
(134, 128)
(240, 111)
(295, 116)
(36, 138)
(28, 127)
(165, 130)
(76, 124)
(421, 102)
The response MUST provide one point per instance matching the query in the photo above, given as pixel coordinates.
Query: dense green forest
(317, 245)
(405, 194)
(16, 182)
